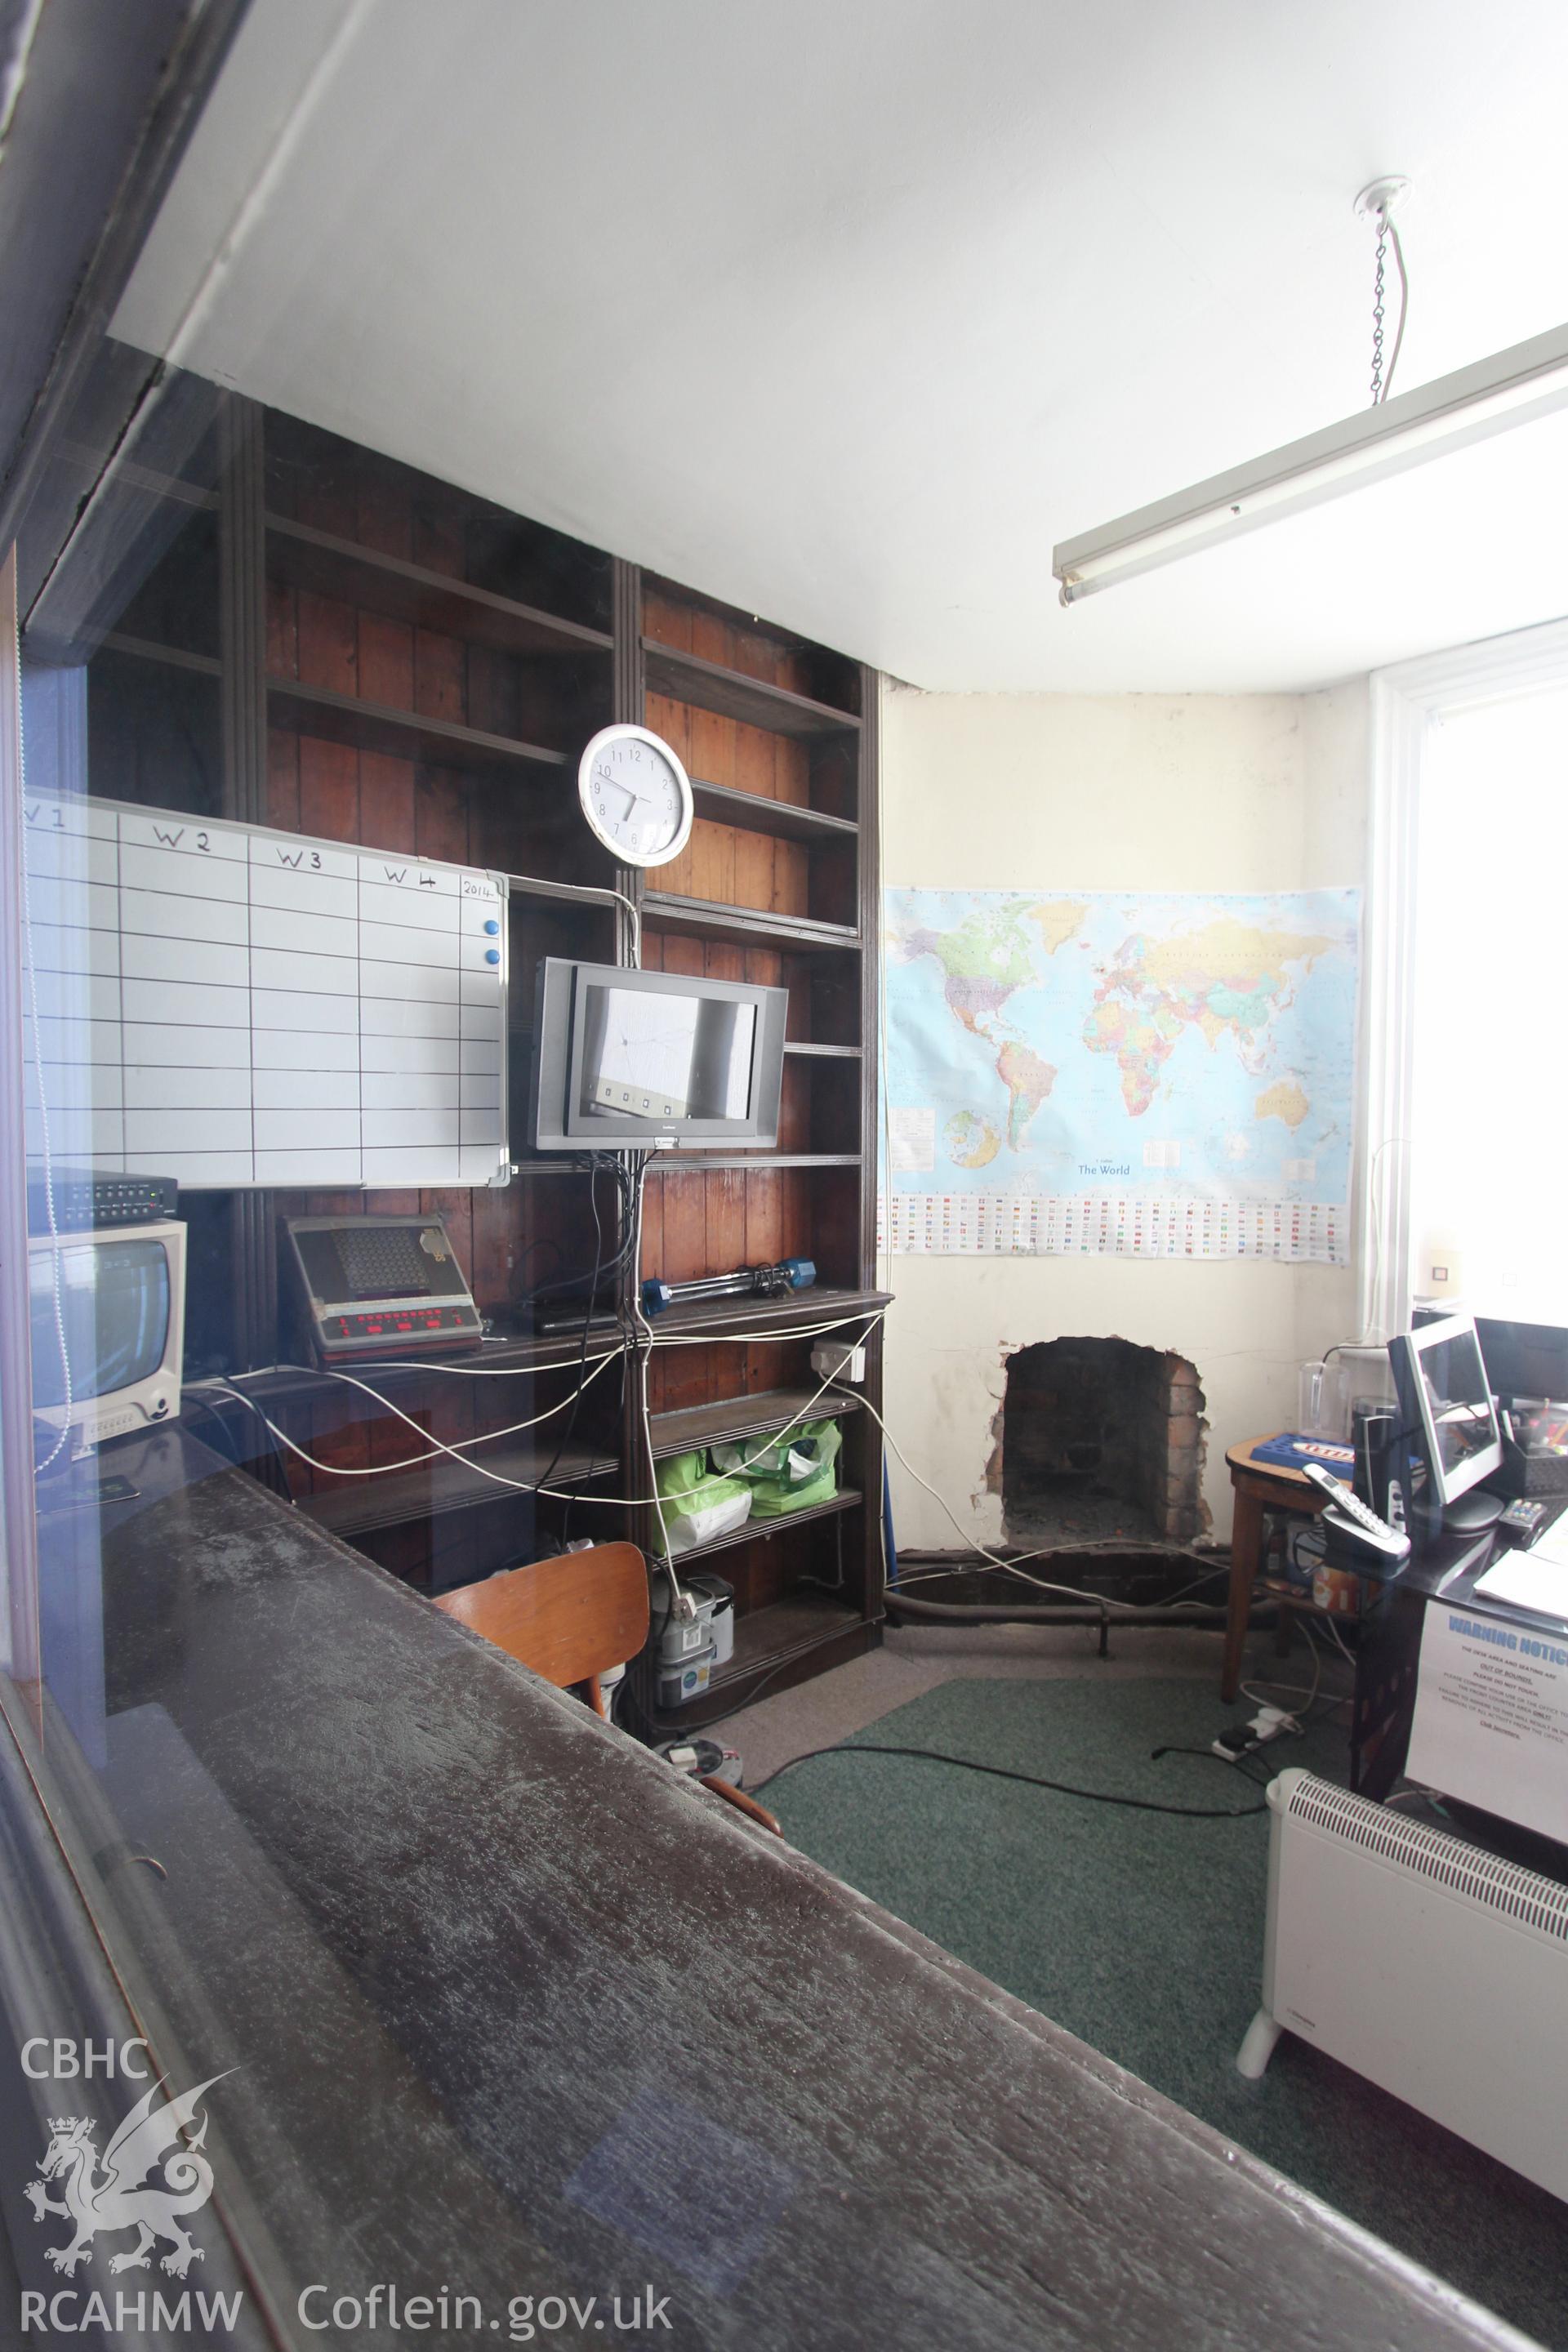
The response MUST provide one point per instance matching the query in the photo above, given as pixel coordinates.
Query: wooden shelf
(327, 566)
(403, 734)
(768, 1642)
(738, 1417)
(732, 695)
(848, 1498)
(715, 1319)
(126, 474)
(524, 1353)
(173, 656)
(764, 1635)
(284, 521)
(680, 1163)
(434, 1487)
(711, 919)
(755, 813)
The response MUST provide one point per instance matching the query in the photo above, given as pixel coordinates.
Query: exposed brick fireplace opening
(1101, 1439)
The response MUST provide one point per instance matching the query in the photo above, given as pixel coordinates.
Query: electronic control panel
(77, 1200)
(377, 1286)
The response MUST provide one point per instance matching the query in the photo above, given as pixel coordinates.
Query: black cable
(273, 1455)
(1031, 1779)
(543, 1242)
(626, 1189)
(565, 1438)
(564, 1285)
(1231, 1763)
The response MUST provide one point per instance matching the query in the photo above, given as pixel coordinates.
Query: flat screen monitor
(1446, 1397)
(1525, 1360)
(653, 1060)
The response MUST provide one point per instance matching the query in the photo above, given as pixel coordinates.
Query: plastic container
(1534, 1436)
(699, 1507)
(1320, 1401)
(687, 1679)
(1337, 1590)
(715, 1601)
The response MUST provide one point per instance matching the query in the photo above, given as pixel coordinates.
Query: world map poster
(1109, 1072)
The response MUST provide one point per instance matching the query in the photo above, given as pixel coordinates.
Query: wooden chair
(572, 1618)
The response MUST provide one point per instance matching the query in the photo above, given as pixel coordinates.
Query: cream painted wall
(1124, 792)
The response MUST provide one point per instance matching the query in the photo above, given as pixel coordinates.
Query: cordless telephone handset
(1355, 1533)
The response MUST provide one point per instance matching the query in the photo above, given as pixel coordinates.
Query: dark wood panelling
(713, 686)
(402, 664)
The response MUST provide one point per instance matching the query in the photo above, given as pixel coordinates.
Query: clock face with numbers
(636, 794)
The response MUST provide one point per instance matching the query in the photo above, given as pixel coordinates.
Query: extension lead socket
(831, 1360)
(1246, 1738)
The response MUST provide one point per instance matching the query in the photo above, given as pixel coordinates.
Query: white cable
(1337, 1638)
(438, 1445)
(518, 1485)
(16, 74)
(678, 1606)
(64, 1438)
(1073, 1592)
(415, 1364)
(194, 1387)
(459, 1453)
(591, 891)
(923, 1575)
(472, 1371)
(727, 1338)
(1286, 1690)
(641, 1502)
(1261, 1683)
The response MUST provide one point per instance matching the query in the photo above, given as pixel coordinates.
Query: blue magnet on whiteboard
(493, 955)
(492, 926)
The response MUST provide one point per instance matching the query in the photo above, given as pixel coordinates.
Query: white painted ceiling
(845, 310)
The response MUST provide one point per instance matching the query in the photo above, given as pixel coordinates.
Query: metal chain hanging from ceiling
(1387, 235)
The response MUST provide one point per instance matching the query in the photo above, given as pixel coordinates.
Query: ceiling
(847, 313)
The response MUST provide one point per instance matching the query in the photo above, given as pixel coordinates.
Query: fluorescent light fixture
(1487, 397)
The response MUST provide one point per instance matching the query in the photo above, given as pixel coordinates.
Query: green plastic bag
(794, 1476)
(697, 1505)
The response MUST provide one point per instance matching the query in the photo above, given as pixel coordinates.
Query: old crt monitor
(1445, 1400)
(628, 1060)
(107, 1316)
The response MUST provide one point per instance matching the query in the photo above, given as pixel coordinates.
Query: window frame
(1407, 701)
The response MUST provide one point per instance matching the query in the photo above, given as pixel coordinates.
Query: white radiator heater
(1434, 1969)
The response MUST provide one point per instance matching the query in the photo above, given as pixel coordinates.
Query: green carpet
(1144, 1935)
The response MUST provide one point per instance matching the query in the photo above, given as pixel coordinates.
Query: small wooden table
(1259, 1487)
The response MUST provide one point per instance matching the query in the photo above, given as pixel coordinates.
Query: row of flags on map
(1095, 1225)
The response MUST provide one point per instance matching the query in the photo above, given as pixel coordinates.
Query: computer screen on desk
(1446, 1397)
(1529, 1359)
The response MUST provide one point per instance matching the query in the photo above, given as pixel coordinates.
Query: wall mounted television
(628, 1060)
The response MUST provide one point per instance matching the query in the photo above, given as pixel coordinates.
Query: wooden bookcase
(332, 642)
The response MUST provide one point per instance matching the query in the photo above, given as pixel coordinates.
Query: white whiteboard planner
(230, 1005)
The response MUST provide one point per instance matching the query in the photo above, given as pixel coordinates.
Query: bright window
(1489, 1123)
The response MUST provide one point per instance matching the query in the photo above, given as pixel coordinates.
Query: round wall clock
(635, 795)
